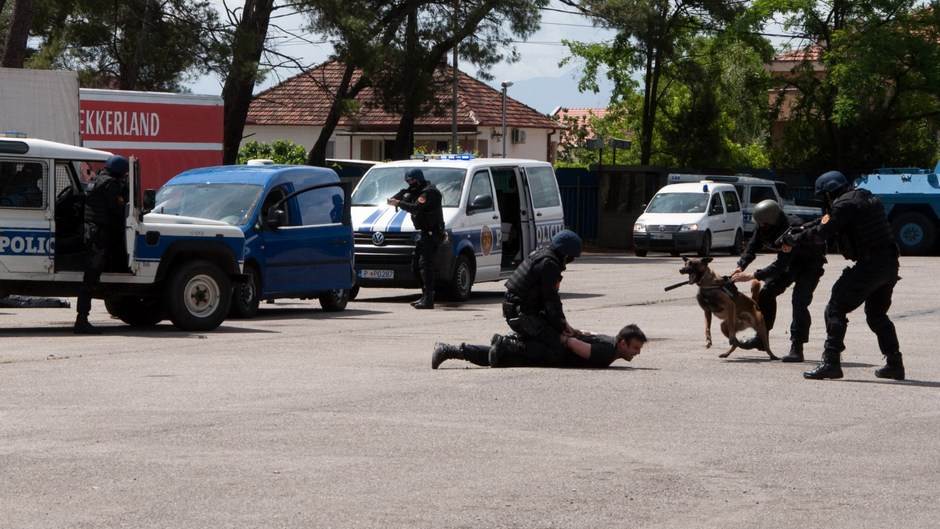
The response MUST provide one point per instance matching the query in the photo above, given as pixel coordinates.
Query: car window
(380, 183)
(320, 206)
(230, 203)
(22, 184)
(759, 193)
(731, 201)
(543, 187)
(740, 190)
(480, 187)
(715, 208)
(678, 203)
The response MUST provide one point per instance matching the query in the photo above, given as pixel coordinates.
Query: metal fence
(579, 195)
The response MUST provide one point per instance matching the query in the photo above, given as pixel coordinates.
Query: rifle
(787, 236)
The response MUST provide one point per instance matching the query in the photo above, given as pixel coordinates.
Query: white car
(697, 217)
(496, 211)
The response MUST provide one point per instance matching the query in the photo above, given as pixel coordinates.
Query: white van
(496, 211)
(684, 217)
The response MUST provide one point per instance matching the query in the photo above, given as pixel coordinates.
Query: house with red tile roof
(296, 110)
(784, 68)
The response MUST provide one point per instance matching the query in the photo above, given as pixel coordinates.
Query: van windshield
(678, 203)
(380, 183)
(229, 203)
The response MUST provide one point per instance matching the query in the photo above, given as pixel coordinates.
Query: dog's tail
(755, 290)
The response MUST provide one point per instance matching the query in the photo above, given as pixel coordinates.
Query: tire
(914, 232)
(461, 282)
(706, 248)
(639, 253)
(354, 292)
(136, 311)
(738, 243)
(247, 296)
(335, 300)
(198, 296)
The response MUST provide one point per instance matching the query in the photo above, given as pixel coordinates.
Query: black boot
(474, 354)
(505, 351)
(830, 367)
(796, 353)
(83, 327)
(893, 368)
(426, 301)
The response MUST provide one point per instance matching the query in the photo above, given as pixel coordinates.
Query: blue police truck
(912, 201)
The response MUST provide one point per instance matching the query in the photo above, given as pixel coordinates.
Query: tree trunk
(14, 51)
(404, 137)
(649, 105)
(317, 155)
(247, 46)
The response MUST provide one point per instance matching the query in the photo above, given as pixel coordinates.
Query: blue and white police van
(296, 222)
(496, 211)
(180, 268)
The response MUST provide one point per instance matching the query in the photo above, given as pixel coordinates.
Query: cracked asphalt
(300, 418)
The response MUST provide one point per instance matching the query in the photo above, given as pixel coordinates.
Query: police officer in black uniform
(532, 306)
(857, 220)
(801, 268)
(581, 351)
(104, 223)
(423, 201)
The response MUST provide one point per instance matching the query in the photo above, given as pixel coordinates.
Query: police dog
(718, 296)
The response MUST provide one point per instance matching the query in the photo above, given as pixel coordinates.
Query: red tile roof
(581, 114)
(812, 52)
(305, 99)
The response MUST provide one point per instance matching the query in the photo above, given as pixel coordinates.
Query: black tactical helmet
(833, 183)
(767, 213)
(415, 174)
(117, 166)
(567, 243)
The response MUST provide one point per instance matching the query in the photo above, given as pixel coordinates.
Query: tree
(648, 41)
(278, 151)
(130, 45)
(412, 72)
(14, 49)
(877, 100)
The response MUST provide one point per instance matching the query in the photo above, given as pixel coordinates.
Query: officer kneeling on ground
(580, 350)
(104, 222)
(424, 202)
(801, 268)
(857, 219)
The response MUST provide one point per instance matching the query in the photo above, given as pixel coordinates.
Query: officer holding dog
(801, 268)
(857, 220)
(104, 220)
(424, 202)
(532, 306)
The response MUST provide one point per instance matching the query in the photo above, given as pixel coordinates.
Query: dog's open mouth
(694, 276)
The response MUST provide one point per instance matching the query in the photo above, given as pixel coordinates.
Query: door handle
(539, 214)
(495, 217)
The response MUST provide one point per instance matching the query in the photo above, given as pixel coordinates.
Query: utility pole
(454, 145)
(505, 85)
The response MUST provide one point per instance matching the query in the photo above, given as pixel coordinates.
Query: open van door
(548, 217)
(133, 213)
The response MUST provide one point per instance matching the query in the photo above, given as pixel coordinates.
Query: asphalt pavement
(300, 418)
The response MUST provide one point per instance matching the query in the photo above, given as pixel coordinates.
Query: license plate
(377, 274)
(660, 236)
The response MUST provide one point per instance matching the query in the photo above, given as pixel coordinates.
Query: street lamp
(505, 85)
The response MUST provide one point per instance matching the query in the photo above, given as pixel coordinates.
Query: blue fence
(579, 195)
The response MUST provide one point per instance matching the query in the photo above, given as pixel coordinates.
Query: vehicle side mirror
(150, 199)
(275, 219)
(481, 202)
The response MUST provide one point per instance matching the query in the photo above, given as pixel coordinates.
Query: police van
(496, 211)
(180, 268)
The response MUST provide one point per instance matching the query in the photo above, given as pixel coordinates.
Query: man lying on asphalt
(580, 349)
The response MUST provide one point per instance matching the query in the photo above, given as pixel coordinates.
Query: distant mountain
(546, 93)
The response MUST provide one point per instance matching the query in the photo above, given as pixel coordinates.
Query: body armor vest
(869, 233)
(520, 288)
(97, 209)
(430, 219)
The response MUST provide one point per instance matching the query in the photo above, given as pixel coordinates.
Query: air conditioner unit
(517, 136)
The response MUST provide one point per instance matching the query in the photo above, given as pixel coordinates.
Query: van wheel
(198, 296)
(247, 296)
(135, 311)
(462, 281)
(639, 253)
(334, 300)
(706, 245)
(914, 232)
(354, 292)
(738, 243)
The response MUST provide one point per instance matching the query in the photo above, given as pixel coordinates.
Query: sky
(538, 80)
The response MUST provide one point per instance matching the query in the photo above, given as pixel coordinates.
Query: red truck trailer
(168, 132)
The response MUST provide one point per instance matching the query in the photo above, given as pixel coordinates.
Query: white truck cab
(180, 268)
(496, 211)
(699, 217)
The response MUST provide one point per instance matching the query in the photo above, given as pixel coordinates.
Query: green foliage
(131, 45)
(279, 151)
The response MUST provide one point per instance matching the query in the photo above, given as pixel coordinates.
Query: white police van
(496, 211)
(181, 268)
